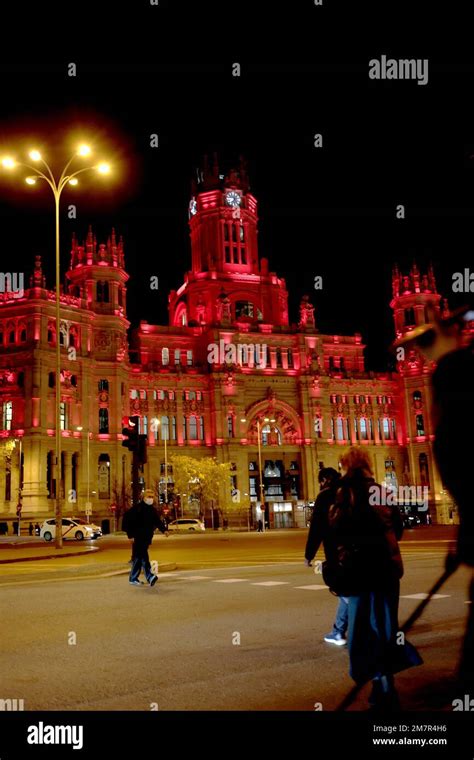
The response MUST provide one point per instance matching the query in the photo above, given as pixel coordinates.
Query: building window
(161, 395)
(394, 429)
(318, 426)
(340, 429)
(201, 428)
(51, 380)
(144, 425)
(103, 476)
(104, 385)
(364, 429)
(271, 436)
(386, 427)
(191, 395)
(424, 471)
(7, 415)
(177, 356)
(244, 309)
(420, 425)
(51, 334)
(171, 395)
(133, 393)
(193, 428)
(189, 358)
(73, 337)
(20, 379)
(11, 336)
(230, 426)
(23, 335)
(63, 415)
(102, 292)
(165, 428)
(165, 356)
(173, 428)
(143, 394)
(185, 434)
(290, 358)
(409, 317)
(8, 482)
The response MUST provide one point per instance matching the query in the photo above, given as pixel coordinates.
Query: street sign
(88, 509)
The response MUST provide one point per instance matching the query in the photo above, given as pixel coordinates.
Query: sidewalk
(24, 552)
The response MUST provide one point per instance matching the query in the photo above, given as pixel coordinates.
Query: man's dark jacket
(140, 522)
(319, 527)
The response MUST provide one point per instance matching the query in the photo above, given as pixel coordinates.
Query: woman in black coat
(365, 534)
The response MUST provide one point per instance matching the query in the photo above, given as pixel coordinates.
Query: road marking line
(424, 596)
(232, 580)
(271, 583)
(315, 587)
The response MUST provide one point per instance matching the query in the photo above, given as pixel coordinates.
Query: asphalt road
(239, 627)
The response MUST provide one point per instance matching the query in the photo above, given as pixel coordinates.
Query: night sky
(328, 212)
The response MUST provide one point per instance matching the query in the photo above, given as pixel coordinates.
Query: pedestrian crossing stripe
(232, 580)
(424, 596)
(271, 583)
(314, 587)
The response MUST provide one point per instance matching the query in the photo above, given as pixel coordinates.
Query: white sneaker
(335, 638)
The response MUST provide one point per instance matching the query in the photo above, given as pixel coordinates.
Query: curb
(50, 556)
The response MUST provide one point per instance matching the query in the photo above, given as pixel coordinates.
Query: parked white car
(71, 529)
(186, 525)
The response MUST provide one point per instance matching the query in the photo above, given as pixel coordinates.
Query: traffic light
(131, 434)
(142, 444)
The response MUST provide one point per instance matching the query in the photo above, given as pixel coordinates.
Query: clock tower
(227, 279)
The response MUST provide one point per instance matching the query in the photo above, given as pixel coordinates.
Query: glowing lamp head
(30, 181)
(35, 155)
(83, 150)
(8, 162)
(73, 181)
(103, 168)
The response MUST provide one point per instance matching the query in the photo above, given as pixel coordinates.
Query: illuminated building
(228, 359)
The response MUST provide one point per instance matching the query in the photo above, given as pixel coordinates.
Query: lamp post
(57, 186)
(88, 505)
(260, 469)
(18, 509)
(157, 422)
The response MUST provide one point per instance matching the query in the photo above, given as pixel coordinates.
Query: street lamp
(157, 422)
(262, 494)
(20, 485)
(57, 186)
(88, 504)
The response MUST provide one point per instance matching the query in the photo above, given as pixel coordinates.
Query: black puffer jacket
(140, 522)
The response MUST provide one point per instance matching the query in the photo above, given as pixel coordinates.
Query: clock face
(192, 206)
(233, 199)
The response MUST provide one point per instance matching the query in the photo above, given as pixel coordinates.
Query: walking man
(328, 479)
(139, 523)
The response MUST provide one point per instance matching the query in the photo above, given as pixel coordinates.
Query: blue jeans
(342, 616)
(140, 561)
